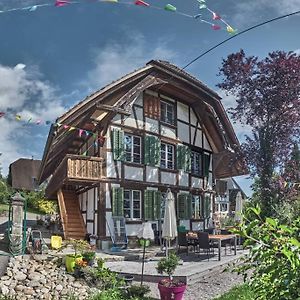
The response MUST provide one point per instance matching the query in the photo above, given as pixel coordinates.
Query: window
(167, 156)
(132, 204)
(132, 148)
(196, 163)
(167, 112)
(196, 207)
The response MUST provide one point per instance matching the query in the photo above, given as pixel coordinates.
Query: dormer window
(167, 112)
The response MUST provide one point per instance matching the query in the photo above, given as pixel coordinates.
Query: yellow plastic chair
(56, 242)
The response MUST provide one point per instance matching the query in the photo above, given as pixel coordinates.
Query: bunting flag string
(216, 17)
(168, 7)
(39, 122)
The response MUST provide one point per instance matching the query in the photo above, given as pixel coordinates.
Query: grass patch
(241, 292)
(3, 207)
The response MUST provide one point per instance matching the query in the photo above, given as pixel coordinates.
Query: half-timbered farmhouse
(116, 153)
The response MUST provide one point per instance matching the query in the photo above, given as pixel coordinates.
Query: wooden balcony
(77, 170)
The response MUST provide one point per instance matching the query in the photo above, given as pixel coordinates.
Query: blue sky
(53, 57)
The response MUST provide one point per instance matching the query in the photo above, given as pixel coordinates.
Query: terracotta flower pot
(171, 293)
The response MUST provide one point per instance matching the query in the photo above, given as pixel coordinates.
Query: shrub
(138, 291)
(110, 294)
(168, 265)
(274, 257)
(102, 277)
(37, 202)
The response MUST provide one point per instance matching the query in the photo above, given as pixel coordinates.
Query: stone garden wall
(41, 277)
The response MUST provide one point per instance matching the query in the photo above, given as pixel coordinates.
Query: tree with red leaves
(267, 95)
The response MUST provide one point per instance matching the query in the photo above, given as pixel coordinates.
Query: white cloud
(115, 60)
(22, 91)
(250, 12)
(229, 101)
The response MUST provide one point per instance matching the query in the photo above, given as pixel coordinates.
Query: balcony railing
(87, 168)
(76, 169)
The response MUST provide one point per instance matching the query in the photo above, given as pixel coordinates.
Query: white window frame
(164, 118)
(132, 153)
(194, 208)
(131, 208)
(165, 158)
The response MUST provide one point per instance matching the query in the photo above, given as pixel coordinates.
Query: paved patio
(193, 267)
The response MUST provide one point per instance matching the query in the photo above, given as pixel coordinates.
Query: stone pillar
(16, 227)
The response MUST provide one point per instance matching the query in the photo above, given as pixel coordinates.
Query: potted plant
(169, 288)
(89, 257)
(78, 246)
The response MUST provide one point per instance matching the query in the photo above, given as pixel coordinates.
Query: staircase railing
(63, 211)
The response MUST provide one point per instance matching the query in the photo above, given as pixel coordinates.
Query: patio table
(223, 237)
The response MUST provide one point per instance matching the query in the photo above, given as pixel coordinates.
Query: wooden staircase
(71, 217)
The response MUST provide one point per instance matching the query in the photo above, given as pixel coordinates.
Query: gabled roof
(118, 96)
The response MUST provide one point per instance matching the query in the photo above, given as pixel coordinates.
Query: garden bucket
(171, 293)
(56, 242)
(71, 261)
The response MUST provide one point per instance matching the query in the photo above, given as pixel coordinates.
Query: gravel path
(210, 287)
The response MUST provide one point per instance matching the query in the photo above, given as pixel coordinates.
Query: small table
(223, 237)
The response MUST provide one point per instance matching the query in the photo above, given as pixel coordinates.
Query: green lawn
(241, 292)
(3, 207)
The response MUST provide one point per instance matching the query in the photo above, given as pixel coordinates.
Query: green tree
(267, 93)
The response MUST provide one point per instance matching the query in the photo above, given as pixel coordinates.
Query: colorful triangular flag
(170, 7)
(18, 117)
(72, 128)
(216, 16)
(141, 3)
(60, 3)
(33, 8)
(215, 27)
(230, 30)
(2, 114)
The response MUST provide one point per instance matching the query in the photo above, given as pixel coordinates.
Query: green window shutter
(156, 152)
(184, 158)
(188, 159)
(117, 202)
(206, 164)
(181, 206)
(148, 205)
(157, 205)
(147, 149)
(180, 160)
(206, 206)
(188, 210)
(152, 150)
(118, 144)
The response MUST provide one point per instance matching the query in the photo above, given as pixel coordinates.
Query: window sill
(133, 164)
(168, 170)
(173, 126)
(197, 175)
